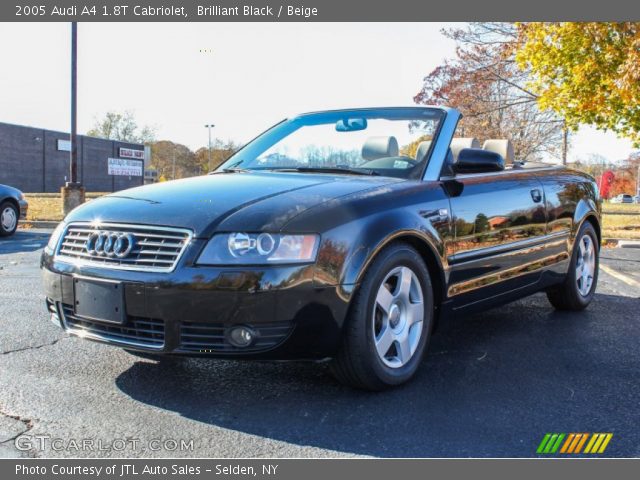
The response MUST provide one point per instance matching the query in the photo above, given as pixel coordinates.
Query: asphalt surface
(491, 385)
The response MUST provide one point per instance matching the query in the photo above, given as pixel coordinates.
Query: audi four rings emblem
(110, 244)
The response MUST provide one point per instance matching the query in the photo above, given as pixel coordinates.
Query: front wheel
(8, 219)
(578, 288)
(389, 322)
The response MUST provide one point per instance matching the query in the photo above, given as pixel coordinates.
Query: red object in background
(604, 183)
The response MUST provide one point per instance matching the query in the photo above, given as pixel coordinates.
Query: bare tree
(484, 82)
(122, 127)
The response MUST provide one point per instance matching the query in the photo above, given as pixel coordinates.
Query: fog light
(241, 336)
(53, 313)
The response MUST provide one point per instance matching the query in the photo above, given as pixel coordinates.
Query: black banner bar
(316, 469)
(316, 10)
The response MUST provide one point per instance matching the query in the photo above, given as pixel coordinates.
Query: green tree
(122, 127)
(173, 160)
(481, 223)
(220, 152)
(587, 72)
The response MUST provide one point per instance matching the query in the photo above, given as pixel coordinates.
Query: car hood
(9, 191)
(251, 201)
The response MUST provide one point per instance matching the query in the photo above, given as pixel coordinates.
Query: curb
(621, 213)
(629, 244)
(620, 243)
(38, 224)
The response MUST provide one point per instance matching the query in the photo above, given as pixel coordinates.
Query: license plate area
(99, 300)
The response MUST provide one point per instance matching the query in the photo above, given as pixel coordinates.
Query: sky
(241, 77)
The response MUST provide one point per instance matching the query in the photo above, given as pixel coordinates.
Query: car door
(499, 223)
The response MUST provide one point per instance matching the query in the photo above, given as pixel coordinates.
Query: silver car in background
(13, 207)
(622, 198)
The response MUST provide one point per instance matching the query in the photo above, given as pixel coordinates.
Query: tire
(574, 294)
(9, 216)
(358, 363)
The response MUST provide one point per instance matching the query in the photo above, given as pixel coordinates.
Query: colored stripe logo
(573, 443)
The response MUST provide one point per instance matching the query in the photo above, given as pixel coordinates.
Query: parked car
(636, 199)
(13, 207)
(622, 198)
(342, 234)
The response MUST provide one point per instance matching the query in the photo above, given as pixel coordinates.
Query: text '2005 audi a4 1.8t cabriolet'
(343, 235)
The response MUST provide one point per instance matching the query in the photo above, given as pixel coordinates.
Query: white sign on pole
(64, 145)
(128, 168)
(131, 153)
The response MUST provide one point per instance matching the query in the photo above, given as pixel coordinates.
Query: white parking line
(620, 276)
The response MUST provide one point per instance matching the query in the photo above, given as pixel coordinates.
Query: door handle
(536, 195)
(439, 215)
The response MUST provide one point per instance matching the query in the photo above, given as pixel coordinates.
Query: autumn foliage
(587, 72)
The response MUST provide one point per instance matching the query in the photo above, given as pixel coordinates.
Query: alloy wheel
(585, 265)
(398, 317)
(8, 219)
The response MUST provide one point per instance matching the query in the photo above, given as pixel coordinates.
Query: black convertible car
(343, 235)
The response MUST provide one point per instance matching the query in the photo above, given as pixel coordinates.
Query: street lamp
(210, 126)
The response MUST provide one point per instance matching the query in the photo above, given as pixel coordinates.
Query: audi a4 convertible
(340, 235)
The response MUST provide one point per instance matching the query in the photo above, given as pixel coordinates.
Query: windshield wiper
(348, 171)
(233, 168)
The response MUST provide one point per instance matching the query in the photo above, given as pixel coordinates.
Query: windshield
(390, 141)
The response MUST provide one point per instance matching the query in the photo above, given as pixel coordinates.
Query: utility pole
(74, 104)
(73, 192)
(210, 126)
(174, 162)
(565, 142)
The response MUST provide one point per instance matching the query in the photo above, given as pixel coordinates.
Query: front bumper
(191, 310)
(24, 208)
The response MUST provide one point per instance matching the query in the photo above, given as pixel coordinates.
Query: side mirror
(475, 160)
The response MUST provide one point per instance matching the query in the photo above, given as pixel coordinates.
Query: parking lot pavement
(492, 385)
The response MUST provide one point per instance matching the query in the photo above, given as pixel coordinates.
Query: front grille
(137, 331)
(212, 337)
(156, 249)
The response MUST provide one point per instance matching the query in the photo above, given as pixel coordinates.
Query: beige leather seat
(380, 147)
(502, 147)
(421, 151)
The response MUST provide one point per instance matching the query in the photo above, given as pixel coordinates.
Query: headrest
(503, 147)
(380, 147)
(458, 144)
(421, 151)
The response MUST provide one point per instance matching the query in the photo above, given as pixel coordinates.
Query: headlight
(55, 237)
(259, 249)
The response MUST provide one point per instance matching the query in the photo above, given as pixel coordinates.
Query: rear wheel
(577, 290)
(8, 219)
(389, 323)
